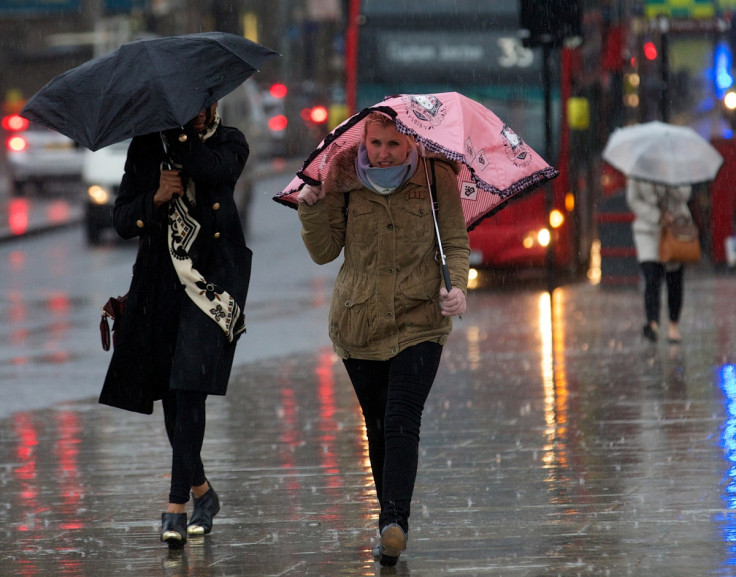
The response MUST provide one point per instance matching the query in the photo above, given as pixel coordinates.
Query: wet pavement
(21, 216)
(555, 442)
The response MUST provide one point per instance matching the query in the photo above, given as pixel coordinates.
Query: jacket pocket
(351, 319)
(422, 306)
(417, 223)
(362, 225)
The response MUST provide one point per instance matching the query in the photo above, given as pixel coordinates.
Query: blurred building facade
(42, 38)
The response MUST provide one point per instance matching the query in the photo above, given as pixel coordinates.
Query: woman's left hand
(452, 303)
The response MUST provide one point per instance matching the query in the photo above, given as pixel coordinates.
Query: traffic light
(650, 50)
(550, 21)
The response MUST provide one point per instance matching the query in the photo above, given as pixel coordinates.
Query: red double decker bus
(401, 46)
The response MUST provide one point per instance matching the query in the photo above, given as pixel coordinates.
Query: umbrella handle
(448, 282)
(446, 276)
(167, 162)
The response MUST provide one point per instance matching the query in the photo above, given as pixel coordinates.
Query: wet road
(555, 442)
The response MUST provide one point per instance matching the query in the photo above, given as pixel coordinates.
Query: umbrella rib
(159, 80)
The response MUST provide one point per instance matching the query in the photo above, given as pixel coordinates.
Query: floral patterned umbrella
(495, 163)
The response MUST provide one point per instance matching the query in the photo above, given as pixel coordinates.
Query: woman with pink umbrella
(390, 313)
(395, 188)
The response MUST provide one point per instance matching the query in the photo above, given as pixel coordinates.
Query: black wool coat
(164, 341)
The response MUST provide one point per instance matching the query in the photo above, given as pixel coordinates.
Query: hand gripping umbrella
(145, 86)
(495, 163)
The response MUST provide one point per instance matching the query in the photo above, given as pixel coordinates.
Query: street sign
(680, 9)
(38, 6)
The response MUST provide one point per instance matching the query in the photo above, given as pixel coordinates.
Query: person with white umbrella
(661, 161)
(653, 205)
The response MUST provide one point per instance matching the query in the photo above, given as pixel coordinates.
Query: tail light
(17, 143)
(277, 123)
(278, 90)
(14, 123)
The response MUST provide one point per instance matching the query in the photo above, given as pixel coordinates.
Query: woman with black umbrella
(184, 311)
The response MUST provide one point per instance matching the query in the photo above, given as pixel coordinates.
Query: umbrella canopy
(495, 163)
(145, 86)
(663, 154)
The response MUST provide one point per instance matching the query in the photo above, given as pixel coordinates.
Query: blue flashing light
(723, 60)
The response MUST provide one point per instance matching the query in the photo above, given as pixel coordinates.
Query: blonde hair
(383, 120)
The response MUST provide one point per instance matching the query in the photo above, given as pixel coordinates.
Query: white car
(37, 156)
(102, 171)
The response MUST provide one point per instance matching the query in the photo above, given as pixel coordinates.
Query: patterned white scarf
(213, 300)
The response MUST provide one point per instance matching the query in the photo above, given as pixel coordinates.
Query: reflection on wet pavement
(556, 442)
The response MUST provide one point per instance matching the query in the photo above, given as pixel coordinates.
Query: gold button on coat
(139, 223)
(217, 235)
(216, 206)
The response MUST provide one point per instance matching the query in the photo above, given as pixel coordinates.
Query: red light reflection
(46, 476)
(328, 425)
(25, 431)
(58, 211)
(18, 215)
(67, 449)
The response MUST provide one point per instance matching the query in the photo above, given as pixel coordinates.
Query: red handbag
(114, 308)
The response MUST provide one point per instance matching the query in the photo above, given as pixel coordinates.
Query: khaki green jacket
(386, 294)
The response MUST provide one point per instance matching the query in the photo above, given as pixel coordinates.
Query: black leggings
(392, 394)
(653, 273)
(185, 419)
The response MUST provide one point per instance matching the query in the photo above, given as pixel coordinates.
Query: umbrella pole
(166, 151)
(445, 270)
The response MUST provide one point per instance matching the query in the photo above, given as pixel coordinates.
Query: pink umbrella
(495, 163)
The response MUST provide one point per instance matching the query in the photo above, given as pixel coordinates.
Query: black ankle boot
(649, 333)
(205, 508)
(174, 529)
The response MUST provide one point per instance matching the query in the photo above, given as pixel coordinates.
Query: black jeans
(184, 417)
(653, 273)
(392, 394)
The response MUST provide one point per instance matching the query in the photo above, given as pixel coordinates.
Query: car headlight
(543, 237)
(98, 194)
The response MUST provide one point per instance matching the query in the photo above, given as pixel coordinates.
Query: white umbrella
(662, 153)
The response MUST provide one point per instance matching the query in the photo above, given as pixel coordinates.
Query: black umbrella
(145, 86)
